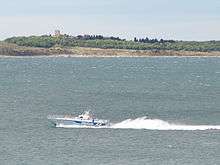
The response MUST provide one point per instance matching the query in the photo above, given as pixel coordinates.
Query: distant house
(57, 33)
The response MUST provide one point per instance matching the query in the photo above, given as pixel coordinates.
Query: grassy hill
(113, 43)
(105, 46)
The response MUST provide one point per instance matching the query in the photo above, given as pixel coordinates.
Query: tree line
(148, 40)
(99, 41)
(97, 37)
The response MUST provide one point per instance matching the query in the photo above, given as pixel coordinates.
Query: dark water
(179, 92)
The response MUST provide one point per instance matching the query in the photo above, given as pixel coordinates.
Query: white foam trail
(157, 124)
(149, 124)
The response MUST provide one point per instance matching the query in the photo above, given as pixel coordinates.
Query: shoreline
(104, 56)
(12, 50)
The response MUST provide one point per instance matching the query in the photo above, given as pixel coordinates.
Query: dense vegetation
(155, 40)
(98, 41)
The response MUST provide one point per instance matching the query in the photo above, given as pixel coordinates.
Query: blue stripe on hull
(71, 122)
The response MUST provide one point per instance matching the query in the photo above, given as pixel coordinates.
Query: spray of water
(157, 124)
(149, 124)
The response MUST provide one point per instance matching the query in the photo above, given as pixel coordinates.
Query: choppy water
(179, 96)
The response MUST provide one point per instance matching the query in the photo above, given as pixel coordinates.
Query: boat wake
(149, 124)
(157, 124)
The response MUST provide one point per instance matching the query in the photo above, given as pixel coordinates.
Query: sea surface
(163, 110)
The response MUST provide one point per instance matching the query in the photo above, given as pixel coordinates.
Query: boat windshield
(86, 115)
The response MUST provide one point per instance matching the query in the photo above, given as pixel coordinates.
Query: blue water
(179, 92)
